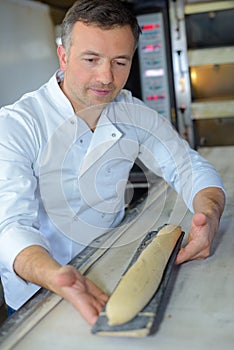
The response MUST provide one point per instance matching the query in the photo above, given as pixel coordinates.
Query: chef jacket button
(103, 215)
(81, 140)
(72, 122)
(113, 134)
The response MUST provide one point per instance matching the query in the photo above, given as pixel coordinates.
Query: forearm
(34, 264)
(208, 206)
(210, 201)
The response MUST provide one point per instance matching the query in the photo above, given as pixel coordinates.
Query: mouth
(101, 92)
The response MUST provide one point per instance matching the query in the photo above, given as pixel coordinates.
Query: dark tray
(147, 321)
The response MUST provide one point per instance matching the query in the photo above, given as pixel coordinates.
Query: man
(66, 151)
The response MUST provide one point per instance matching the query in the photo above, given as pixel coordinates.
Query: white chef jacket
(62, 185)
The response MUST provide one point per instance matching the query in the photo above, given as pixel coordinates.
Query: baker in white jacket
(66, 151)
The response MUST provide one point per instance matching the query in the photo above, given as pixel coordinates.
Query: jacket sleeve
(19, 227)
(165, 153)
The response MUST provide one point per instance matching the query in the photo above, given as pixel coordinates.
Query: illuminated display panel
(153, 63)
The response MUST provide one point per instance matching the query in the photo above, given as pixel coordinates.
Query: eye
(121, 62)
(90, 60)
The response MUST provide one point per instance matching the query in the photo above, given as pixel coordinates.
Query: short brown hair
(105, 14)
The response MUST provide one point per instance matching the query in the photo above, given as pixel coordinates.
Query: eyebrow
(94, 53)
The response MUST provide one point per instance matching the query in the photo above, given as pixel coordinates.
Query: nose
(105, 74)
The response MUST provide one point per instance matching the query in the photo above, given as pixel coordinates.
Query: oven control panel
(153, 63)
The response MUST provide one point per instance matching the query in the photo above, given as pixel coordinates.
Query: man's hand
(199, 240)
(84, 295)
(34, 264)
(208, 206)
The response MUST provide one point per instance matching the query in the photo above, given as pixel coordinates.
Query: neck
(90, 115)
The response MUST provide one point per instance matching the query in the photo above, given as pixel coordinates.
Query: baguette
(140, 282)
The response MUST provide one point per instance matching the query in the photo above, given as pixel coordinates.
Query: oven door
(210, 40)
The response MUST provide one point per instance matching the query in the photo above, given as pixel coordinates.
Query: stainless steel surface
(207, 6)
(181, 69)
(200, 311)
(215, 109)
(202, 48)
(199, 57)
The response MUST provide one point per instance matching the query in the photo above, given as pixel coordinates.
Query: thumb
(182, 256)
(199, 219)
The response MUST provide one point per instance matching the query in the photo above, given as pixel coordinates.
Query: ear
(62, 57)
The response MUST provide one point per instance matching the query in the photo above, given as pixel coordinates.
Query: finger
(96, 291)
(89, 311)
(89, 307)
(192, 251)
(182, 256)
(93, 296)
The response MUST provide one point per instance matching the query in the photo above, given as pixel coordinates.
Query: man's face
(97, 65)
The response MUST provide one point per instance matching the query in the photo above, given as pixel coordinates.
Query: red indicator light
(151, 48)
(156, 97)
(150, 26)
(152, 98)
